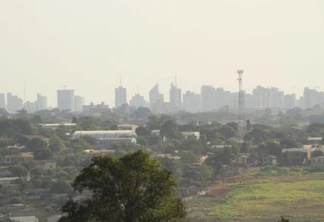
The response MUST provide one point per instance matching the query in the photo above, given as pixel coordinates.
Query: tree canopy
(130, 188)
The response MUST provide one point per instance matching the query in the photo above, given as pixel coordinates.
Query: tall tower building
(120, 96)
(78, 103)
(138, 101)
(14, 103)
(2, 101)
(208, 100)
(41, 102)
(175, 98)
(65, 99)
(155, 95)
(191, 102)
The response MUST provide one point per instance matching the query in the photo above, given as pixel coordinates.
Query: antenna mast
(241, 122)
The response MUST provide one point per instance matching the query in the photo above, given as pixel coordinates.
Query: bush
(16, 200)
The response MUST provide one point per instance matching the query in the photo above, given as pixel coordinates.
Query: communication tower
(241, 122)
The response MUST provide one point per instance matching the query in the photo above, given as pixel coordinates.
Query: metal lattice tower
(241, 122)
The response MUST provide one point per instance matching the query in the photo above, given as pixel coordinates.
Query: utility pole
(241, 122)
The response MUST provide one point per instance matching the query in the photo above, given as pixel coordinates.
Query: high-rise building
(175, 98)
(208, 101)
(155, 96)
(191, 102)
(290, 101)
(268, 97)
(248, 100)
(312, 97)
(2, 101)
(78, 103)
(41, 102)
(30, 106)
(222, 98)
(14, 103)
(138, 101)
(120, 96)
(65, 99)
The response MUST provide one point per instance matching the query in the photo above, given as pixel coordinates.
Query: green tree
(56, 144)
(169, 129)
(43, 154)
(36, 144)
(131, 188)
(61, 186)
(19, 171)
(142, 131)
(282, 219)
(154, 122)
(316, 153)
(142, 113)
(227, 131)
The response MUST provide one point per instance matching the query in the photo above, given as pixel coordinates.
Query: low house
(17, 158)
(219, 148)
(107, 138)
(191, 134)
(314, 140)
(127, 127)
(269, 160)
(316, 161)
(242, 158)
(156, 132)
(295, 156)
(54, 218)
(25, 219)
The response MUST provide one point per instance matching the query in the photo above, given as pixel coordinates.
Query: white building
(65, 99)
(208, 100)
(25, 219)
(155, 96)
(290, 101)
(120, 96)
(2, 101)
(14, 103)
(175, 98)
(138, 101)
(41, 102)
(78, 103)
(195, 135)
(191, 102)
(105, 139)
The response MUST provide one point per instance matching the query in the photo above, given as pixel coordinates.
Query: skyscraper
(41, 102)
(137, 101)
(2, 101)
(14, 103)
(155, 96)
(208, 100)
(191, 102)
(290, 101)
(78, 103)
(65, 99)
(175, 98)
(120, 96)
(312, 97)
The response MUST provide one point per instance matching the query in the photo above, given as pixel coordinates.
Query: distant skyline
(88, 45)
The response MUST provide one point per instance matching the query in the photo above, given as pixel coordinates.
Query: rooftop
(104, 134)
(314, 138)
(25, 219)
(295, 150)
(21, 155)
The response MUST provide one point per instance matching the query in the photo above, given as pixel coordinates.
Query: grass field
(264, 195)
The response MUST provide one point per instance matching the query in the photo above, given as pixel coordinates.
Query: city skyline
(210, 98)
(146, 42)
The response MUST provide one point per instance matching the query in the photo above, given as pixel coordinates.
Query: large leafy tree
(130, 188)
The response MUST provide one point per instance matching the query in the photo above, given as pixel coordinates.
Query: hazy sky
(87, 45)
